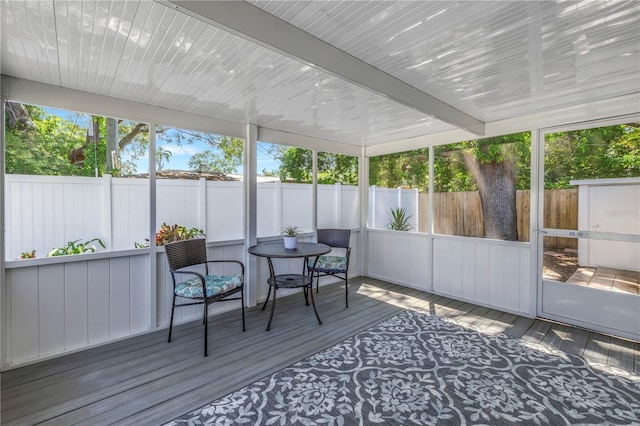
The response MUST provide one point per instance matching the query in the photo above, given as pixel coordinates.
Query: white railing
(44, 212)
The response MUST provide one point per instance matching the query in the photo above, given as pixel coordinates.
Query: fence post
(202, 204)
(107, 209)
(399, 197)
(338, 187)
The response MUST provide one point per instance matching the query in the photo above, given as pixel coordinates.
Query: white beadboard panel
(76, 306)
(119, 301)
(139, 294)
(487, 272)
(51, 315)
(550, 54)
(399, 257)
(584, 307)
(98, 303)
(22, 330)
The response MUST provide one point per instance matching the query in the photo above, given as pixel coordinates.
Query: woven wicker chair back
(334, 237)
(185, 253)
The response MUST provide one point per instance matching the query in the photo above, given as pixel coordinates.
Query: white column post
(250, 186)
(536, 219)
(372, 204)
(417, 212)
(202, 205)
(314, 190)
(278, 207)
(363, 191)
(430, 219)
(107, 211)
(338, 211)
(4, 327)
(154, 286)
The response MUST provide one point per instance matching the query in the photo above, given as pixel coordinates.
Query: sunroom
(484, 155)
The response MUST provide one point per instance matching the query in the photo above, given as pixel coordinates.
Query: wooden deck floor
(607, 279)
(146, 381)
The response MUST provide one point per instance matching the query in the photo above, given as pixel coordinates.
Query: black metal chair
(331, 264)
(203, 289)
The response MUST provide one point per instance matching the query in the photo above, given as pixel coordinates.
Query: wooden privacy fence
(460, 213)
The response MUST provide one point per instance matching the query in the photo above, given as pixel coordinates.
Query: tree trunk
(19, 116)
(112, 143)
(497, 187)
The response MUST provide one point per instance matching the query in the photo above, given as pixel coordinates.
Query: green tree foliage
(409, 168)
(296, 165)
(603, 152)
(43, 143)
(43, 148)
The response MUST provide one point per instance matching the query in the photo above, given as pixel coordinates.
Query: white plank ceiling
(489, 60)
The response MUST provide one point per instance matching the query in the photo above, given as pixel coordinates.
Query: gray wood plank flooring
(147, 381)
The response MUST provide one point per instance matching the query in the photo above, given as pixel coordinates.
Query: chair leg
(173, 308)
(346, 291)
(306, 291)
(206, 327)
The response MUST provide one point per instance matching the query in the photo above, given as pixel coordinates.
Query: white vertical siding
(55, 308)
(487, 272)
(399, 257)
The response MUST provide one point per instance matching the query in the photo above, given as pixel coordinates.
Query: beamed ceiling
(358, 72)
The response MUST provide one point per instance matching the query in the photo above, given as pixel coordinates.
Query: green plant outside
(171, 233)
(76, 247)
(398, 220)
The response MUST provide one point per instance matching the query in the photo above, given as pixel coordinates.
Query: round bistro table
(276, 250)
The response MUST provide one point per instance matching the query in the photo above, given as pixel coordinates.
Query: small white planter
(290, 243)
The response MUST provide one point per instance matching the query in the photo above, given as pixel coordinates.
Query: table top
(276, 249)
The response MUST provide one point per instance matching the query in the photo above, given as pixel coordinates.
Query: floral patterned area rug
(416, 368)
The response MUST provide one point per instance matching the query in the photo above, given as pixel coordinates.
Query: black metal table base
(290, 281)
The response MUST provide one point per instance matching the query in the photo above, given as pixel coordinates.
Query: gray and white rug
(415, 368)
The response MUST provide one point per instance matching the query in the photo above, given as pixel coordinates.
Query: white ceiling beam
(254, 24)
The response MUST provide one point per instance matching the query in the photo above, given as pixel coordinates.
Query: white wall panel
(22, 329)
(99, 294)
(119, 297)
(139, 294)
(50, 309)
(583, 306)
(76, 307)
(487, 272)
(57, 308)
(399, 257)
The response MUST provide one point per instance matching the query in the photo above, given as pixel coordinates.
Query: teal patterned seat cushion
(330, 264)
(216, 284)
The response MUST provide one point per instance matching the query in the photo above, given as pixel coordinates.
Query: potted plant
(291, 234)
